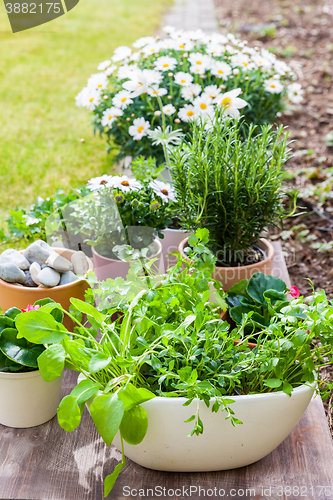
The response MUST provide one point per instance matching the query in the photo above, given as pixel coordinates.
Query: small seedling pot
(113, 268)
(267, 421)
(27, 400)
(228, 276)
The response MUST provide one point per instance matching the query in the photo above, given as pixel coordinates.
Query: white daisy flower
(137, 84)
(121, 53)
(139, 128)
(110, 70)
(126, 71)
(211, 91)
(240, 60)
(99, 182)
(98, 81)
(169, 109)
(273, 86)
(168, 29)
(187, 113)
(88, 98)
(199, 62)
(261, 62)
(217, 38)
(195, 34)
(122, 99)
(281, 67)
(165, 63)
(183, 45)
(110, 115)
(103, 65)
(183, 79)
(153, 76)
(295, 92)
(163, 190)
(141, 42)
(221, 70)
(202, 103)
(190, 92)
(231, 103)
(154, 91)
(152, 48)
(136, 56)
(125, 183)
(215, 49)
(167, 43)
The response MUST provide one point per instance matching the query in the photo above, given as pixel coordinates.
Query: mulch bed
(300, 33)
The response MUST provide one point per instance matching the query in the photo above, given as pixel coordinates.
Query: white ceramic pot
(111, 268)
(267, 421)
(170, 243)
(26, 400)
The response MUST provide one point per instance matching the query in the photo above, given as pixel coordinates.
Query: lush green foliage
(229, 185)
(263, 296)
(169, 341)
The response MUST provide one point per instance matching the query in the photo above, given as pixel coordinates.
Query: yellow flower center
(226, 102)
(182, 46)
(110, 117)
(272, 85)
(140, 129)
(245, 64)
(91, 99)
(165, 191)
(220, 71)
(166, 65)
(99, 86)
(203, 105)
(190, 113)
(103, 182)
(124, 99)
(182, 81)
(125, 183)
(199, 62)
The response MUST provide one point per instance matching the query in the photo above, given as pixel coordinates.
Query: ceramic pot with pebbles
(41, 271)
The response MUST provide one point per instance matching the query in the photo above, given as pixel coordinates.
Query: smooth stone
(80, 263)
(67, 277)
(12, 255)
(38, 251)
(48, 277)
(11, 273)
(59, 263)
(28, 280)
(35, 269)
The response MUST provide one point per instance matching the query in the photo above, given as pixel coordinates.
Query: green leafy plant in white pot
(26, 398)
(232, 187)
(171, 387)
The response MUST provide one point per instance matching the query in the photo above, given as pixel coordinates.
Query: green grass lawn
(41, 71)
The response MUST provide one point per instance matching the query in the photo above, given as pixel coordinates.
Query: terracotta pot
(170, 243)
(228, 276)
(113, 268)
(20, 296)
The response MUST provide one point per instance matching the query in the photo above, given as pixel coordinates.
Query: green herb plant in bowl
(162, 381)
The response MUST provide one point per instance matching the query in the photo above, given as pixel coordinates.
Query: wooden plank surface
(46, 463)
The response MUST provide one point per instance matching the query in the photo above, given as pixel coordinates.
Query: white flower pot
(112, 268)
(267, 421)
(26, 400)
(170, 243)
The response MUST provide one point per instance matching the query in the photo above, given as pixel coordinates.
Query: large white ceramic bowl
(267, 421)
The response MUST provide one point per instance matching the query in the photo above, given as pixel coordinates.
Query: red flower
(294, 292)
(30, 308)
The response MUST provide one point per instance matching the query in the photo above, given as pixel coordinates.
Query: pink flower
(30, 308)
(294, 292)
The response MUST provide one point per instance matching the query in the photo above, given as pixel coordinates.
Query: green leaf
(98, 362)
(88, 309)
(134, 425)
(132, 396)
(19, 350)
(40, 327)
(69, 413)
(12, 312)
(110, 480)
(240, 288)
(273, 383)
(52, 362)
(85, 390)
(107, 412)
(260, 282)
(6, 322)
(274, 296)
(287, 388)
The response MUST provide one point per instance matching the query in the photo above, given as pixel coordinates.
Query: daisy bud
(132, 115)
(185, 54)
(202, 76)
(82, 140)
(128, 119)
(170, 54)
(181, 63)
(246, 78)
(157, 113)
(105, 97)
(170, 74)
(223, 86)
(236, 71)
(169, 97)
(231, 77)
(177, 120)
(119, 124)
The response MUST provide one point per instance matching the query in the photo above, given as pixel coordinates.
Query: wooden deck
(45, 463)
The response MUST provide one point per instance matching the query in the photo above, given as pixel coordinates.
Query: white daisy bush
(146, 203)
(186, 76)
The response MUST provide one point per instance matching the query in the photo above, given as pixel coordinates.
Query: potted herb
(121, 220)
(168, 368)
(232, 187)
(26, 398)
